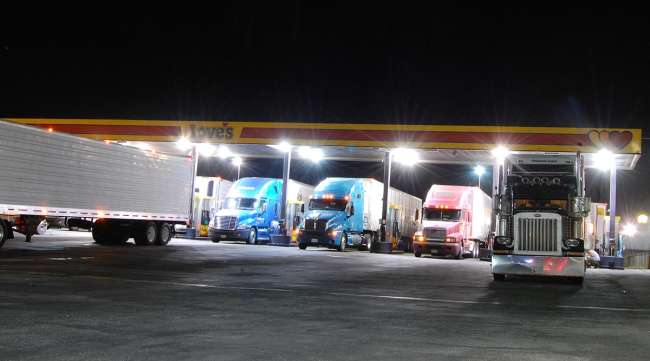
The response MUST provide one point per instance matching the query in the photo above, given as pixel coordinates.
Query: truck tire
(252, 236)
(100, 232)
(3, 232)
(460, 252)
(499, 277)
(344, 242)
(164, 234)
(417, 252)
(368, 242)
(147, 234)
(302, 246)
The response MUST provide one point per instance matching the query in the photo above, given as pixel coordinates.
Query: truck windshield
(437, 214)
(328, 204)
(240, 203)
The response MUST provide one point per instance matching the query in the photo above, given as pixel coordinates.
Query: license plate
(434, 251)
(314, 240)
(223, 236)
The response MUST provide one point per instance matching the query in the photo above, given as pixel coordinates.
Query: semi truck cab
(250, 211)
(454, 221)
(541, 212)
(335, 216)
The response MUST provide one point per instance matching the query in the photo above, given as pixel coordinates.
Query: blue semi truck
(346, 212)
(251, 210)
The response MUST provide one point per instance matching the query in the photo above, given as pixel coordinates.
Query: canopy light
(642, 219)
(479, 170)
(184, 144)
(500, 153)
(604, 159)
(237, 161)
(629, 230)
(206, 150)
(284, 147)
(405, 156)
(224, 152)
(313, 154)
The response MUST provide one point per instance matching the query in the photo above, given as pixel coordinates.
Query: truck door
(262, 214)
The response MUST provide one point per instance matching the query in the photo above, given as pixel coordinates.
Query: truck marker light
(50, 129)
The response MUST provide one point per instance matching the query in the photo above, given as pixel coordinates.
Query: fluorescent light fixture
(405, 156)
(206, 149)
(642, 219)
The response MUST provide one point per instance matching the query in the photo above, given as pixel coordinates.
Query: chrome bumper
(538, 265)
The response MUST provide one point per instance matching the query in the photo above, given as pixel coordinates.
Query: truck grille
(225, 222)
(537, 235)
(434, 233)
(315, 225)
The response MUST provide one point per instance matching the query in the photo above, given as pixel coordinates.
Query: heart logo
(614, 138)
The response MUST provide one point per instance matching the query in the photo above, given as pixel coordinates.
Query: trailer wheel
(3, 233)
(100, 232)
(499, 277)
(164, 234)
(147, 234)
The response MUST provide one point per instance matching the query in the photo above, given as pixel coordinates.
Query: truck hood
(451, 227)
(332, 217)
(239, 213)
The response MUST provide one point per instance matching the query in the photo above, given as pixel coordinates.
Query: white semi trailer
(128, 192)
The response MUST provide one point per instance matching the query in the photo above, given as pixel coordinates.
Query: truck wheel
(252, 236)
(417, 252)
(368, 243)
(302, 246)
(499, 277)
(3, 232)
(344, 242)
(460, 253)
(146, 235)
(100, 232)
(164, 234)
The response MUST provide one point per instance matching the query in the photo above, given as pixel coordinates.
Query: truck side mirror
(351, 209)
(302, 208)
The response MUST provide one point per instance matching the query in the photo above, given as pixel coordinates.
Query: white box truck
(128, 192)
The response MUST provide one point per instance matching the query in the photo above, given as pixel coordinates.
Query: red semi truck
(454, 220)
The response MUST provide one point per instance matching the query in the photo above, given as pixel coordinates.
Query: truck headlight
(242, 226)
(503, 241)
(333, 233)
(418, 236)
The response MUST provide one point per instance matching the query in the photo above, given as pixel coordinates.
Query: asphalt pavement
(64, 298)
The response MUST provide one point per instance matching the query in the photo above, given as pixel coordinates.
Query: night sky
(336, 63)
